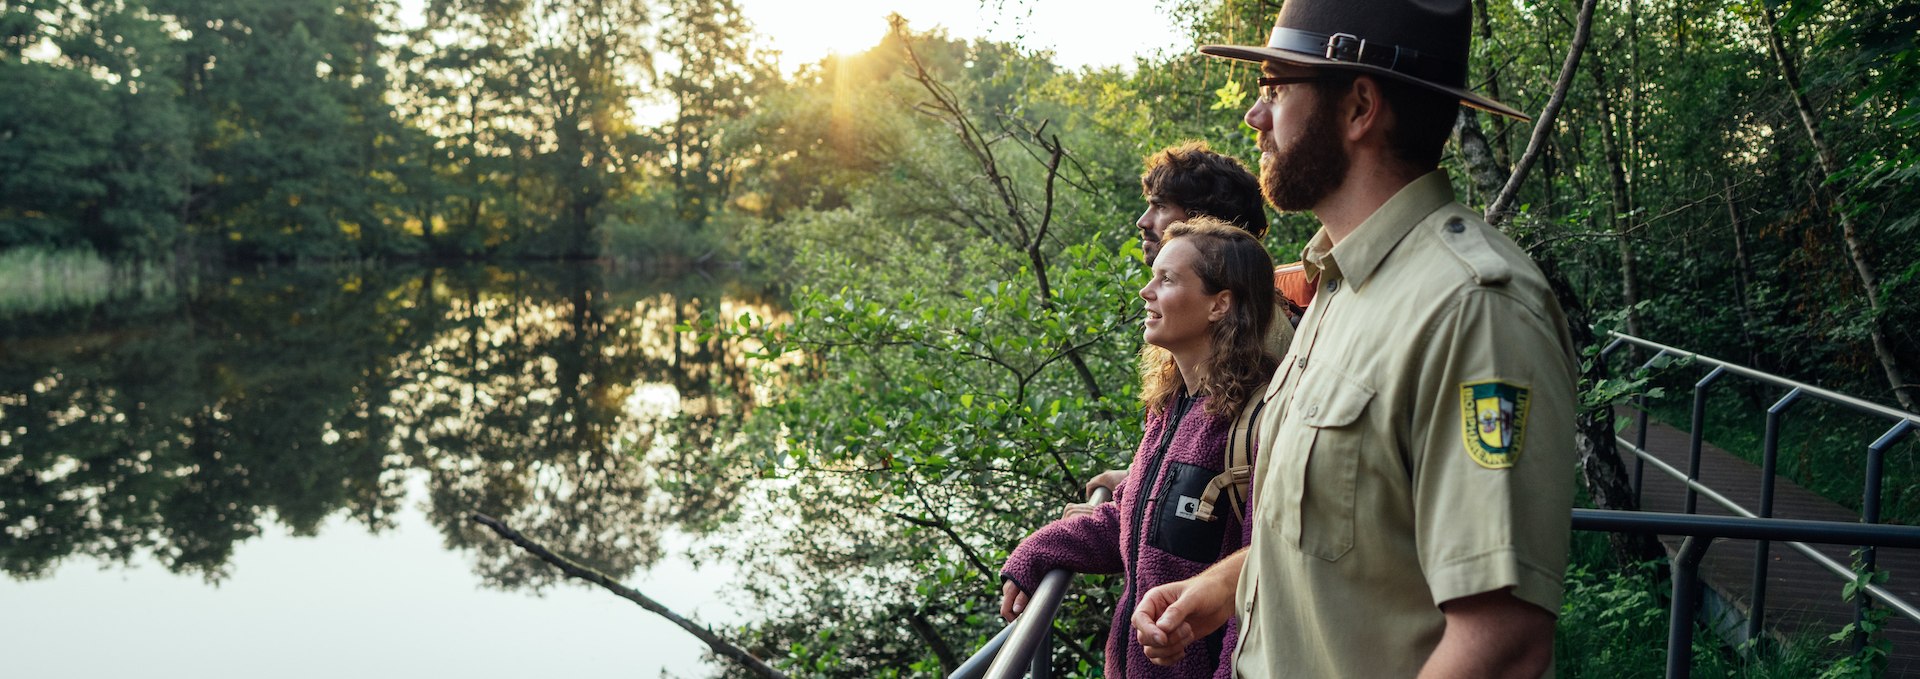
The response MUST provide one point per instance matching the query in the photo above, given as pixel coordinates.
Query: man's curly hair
(1203, 182)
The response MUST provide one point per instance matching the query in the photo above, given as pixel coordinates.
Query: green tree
(94, 153)
(541, 90)
(717, 79)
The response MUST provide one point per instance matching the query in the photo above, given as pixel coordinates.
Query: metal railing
(1025, 646)
(1702, 530)
(1022, 647)
(1903, 424)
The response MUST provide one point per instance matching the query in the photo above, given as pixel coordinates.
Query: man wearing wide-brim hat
(1411, 499)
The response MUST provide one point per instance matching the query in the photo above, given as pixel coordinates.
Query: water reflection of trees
(556, 399)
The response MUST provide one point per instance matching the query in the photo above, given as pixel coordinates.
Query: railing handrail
(1854, 402)
(1700, 532)
(1871, 496)
(1017, 644)
(1747, 528)
(1905, 608)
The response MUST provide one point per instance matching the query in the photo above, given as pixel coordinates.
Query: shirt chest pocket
(1335, 435)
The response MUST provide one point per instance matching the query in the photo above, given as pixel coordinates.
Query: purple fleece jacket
(1151, 537)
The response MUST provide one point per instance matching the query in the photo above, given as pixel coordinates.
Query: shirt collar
(1361, 252)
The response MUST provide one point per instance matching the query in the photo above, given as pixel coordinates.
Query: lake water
(269, 473)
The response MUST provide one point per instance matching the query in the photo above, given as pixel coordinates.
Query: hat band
(1348, 48)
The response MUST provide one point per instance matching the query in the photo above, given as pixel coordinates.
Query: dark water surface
(268, 473)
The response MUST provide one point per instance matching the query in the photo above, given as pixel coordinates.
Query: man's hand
(1172, 615)
(1012, 601)
(1110, 480)
(1076, 509)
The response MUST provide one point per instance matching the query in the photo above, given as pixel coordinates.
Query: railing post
(1695, 437)
(1029, 638)
(1042, 667)
(1756, 616)
(1640, 463)
(1607, 351)
(1870, 514)
(1640, 438)
(1686, 604)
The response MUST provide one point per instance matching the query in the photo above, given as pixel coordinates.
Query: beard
(1312, 166)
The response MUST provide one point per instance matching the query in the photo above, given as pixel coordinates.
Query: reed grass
(37, 280)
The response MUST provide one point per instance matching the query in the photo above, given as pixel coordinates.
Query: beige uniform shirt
(1422, 435)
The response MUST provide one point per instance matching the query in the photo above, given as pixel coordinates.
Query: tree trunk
(1623, 209)
(1498, 210)
(1600, 467)
(1486, 171)
(1827, 167)
(720, 646)
(1029, 236)
(941, 651)
(1502, 158)
(1743, 281)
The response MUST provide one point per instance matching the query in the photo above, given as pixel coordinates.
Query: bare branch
(575, 570)
(1499, 211)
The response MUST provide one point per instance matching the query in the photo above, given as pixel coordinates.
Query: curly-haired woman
(1208, 306)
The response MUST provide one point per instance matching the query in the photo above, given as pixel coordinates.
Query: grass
(1614, 624)
(35, 280)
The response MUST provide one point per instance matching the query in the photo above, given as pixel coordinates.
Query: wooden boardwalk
(1803, 598)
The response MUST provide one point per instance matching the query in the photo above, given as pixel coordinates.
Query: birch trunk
(1826, 167)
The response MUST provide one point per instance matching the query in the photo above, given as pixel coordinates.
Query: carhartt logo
(1186, 507)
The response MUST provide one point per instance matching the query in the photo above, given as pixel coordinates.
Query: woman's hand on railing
(1012, 601)
(1109, 479)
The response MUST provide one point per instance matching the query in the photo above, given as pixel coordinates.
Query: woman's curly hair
(1233, 260)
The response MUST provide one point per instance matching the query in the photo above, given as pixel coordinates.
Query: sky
(1081, 32)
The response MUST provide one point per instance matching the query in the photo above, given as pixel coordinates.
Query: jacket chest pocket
(1330, 408)
(1173, 528)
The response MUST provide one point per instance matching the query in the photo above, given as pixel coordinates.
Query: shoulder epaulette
(1465, 235)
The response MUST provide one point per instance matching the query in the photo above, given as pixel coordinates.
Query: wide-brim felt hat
(1424, 42)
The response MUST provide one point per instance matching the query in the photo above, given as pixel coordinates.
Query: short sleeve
(1493, 459)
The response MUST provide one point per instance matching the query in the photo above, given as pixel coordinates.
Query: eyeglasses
(1270, 85)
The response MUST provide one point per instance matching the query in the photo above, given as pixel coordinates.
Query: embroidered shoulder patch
(1493, 423)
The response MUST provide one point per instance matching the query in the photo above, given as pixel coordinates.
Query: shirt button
(1313, 411)
(1301, 364)
(1333, 286)
(1456, 226)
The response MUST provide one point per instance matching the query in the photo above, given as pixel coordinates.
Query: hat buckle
(1345, 47)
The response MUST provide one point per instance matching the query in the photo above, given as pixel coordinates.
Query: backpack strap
(1237, 478)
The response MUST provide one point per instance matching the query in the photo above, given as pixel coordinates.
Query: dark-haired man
(1191, 180)
(1412, 490)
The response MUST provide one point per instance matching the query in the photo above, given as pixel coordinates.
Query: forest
(948, 224)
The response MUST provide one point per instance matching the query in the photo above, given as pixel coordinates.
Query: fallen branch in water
(719, 645)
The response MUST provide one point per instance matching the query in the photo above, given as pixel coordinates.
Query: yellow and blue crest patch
(1493, 422)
